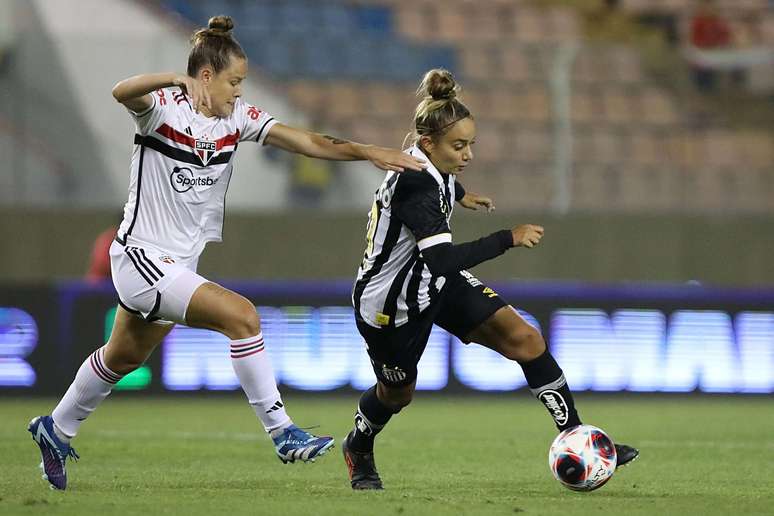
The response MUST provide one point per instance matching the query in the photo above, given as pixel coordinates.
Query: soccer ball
(582, 458)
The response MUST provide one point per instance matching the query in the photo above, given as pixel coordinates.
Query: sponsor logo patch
(393, 374)
(182, 179)
(556, 405)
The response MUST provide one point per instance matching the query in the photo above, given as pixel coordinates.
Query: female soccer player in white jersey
(412, 277)
(188, 129)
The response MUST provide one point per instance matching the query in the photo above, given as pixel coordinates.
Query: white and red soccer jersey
(181, 167)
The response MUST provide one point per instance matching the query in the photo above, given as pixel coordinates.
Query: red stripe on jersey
(229, 139)
(176, 136)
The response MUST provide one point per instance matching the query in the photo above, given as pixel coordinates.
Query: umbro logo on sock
(276, 406)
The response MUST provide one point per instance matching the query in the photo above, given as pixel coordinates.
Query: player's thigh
(466, 304)
(507, 333)
(217, 308)
(132, 340)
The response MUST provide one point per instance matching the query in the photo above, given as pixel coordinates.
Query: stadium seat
(657, 107)
(374, 19)
(583, 106)
(619, 106)
(335, 18)
(531, 145)
(514, 63)
(530, 26)
(412, 23)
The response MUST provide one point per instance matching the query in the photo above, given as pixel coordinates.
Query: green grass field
(442, 455)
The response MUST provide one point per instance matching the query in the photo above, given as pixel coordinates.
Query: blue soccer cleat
(297, 444)
(53, 451)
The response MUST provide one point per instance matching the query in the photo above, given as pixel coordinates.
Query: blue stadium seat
(322, 59)
(375, 19)
(337, 19)
(362, 57)
(258, 17)
(298, 17)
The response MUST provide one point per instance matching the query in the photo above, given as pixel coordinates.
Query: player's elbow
(438, 261)
(120, 92)
(117, 93)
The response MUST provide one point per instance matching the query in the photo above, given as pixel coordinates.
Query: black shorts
(463, 305)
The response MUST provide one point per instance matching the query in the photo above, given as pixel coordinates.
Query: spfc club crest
(205, 149)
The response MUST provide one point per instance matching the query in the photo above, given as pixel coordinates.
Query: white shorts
(152, 284)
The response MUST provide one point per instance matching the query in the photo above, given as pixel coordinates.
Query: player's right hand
(527, 235)
(194, 89)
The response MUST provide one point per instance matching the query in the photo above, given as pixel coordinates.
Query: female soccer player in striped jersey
(188, 129)
(412, 277)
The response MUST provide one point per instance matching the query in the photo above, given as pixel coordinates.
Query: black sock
(370, 418)
(546, 381)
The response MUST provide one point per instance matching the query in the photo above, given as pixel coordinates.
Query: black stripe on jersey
(137, 266)
(134, 251)
(137, 200)
(155, 309)
(391, 301)
(390, 239)
(179, 154)
(412, 291)
(258, 138)
(142, 252)
(123, 305)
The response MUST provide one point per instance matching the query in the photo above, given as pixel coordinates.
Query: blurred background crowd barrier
(608, 339)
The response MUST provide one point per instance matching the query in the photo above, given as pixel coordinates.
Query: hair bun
(221, 23)
(438, 84)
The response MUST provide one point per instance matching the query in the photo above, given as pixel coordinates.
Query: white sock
(252, 366)
(93, 382)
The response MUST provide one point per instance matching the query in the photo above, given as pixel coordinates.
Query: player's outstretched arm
(134, 91)
(322, 146)
(446, 258)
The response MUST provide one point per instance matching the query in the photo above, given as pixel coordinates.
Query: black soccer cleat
(361, 466)
(625, 454)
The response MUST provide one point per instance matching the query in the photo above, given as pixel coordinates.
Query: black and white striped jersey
(410, 213)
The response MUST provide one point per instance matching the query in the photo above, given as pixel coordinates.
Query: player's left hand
(393, 159)
(474, 201)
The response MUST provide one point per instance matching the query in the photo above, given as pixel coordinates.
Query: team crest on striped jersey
(205, 149)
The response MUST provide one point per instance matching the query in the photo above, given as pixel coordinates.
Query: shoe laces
(63, 456)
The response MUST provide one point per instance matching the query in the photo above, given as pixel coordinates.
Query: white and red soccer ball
(582, 458)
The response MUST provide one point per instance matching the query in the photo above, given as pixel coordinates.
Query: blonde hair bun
(221, 23)
(438, 84)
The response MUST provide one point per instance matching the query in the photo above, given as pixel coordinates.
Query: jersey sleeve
(459, 191)
(148, 120)
(254, 124)
(420, 205)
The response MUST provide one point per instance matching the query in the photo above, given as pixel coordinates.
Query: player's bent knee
(245, 322)
(125, 362)
(523, 344)
(396, 398)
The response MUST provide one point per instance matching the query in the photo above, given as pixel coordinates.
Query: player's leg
(394, 354)
(131, 342)
(216, 308)
(510, 335)
(507, 333)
